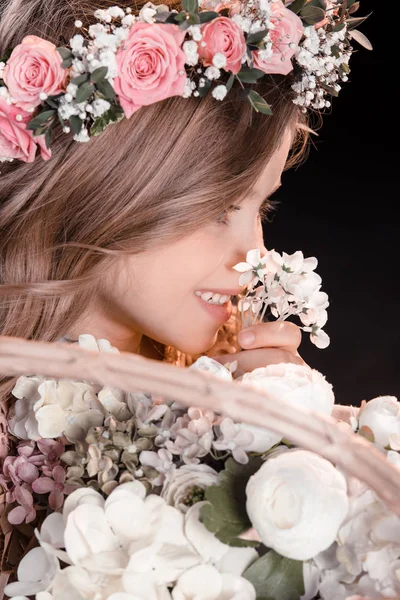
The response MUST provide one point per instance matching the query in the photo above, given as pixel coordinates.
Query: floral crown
(126, 61)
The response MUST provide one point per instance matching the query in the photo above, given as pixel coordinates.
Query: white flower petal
(242, 267)
(79, 497)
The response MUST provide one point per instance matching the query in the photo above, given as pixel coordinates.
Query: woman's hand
(274, 342)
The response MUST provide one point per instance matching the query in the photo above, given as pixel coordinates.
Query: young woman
(114, 237)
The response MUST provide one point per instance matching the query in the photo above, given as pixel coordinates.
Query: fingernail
(246, 338)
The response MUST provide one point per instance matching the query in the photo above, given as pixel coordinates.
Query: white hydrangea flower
(235, 438)
(219, 60)
(161, 461)
(99, 107)
(82, 136)
(219, 92)
(212, 73)
(190, 49)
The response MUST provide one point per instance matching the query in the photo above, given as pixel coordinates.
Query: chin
(192, 344)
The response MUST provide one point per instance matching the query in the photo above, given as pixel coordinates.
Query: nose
(254, 240)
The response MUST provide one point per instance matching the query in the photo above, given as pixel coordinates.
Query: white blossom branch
(132, 373)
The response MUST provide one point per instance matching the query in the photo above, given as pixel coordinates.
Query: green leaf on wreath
(106, 89)
(48, 137)
(84, 92)
(113, 115)
(203, 91)
(255, 38)
(275, 577)
(258, 103)
(225, 514)
(79, 79)
(230, 81)
(312, 15)
(67, 63)
(247, 75)
(99, 74)
(296, 6)
(40, 119)
(65, 53)
(76, 124)
(318, 3)
(208, 15)
(190, 6)
(354, 22)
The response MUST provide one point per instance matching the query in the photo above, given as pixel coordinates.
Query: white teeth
(213, 298)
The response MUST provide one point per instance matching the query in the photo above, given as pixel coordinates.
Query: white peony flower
(298, 384)
(296, 502)
(67, 407)
(187, 482)
(204, 582)
(382, 416)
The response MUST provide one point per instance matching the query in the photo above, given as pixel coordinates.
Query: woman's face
(154, 293)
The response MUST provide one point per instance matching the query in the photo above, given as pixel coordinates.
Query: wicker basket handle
(130, 372)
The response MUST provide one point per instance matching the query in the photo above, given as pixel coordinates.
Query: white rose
(382, 416)
(296, 502)
(296, 384)
(183, 483)
(300, 385)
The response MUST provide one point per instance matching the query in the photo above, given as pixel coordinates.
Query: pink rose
(225, 36)
(151, 66)
(16, 141)
(34, 67)
(288, 30)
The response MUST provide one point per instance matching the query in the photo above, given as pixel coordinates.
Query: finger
(249, 360)
(278, 334)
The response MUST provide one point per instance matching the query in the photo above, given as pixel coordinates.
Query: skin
(134, 306)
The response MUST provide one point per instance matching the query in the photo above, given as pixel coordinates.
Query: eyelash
(264, 212)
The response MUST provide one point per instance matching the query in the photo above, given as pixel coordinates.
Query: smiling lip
(231, 292)
(220, 312)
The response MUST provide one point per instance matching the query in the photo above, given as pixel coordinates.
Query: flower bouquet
(197, 486)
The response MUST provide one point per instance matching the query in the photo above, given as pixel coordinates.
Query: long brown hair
(170, 169)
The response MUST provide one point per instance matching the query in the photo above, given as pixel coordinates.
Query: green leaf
(65, 53)
(276, 577)
(354, 22)
(203, 91)
(190, 6)
(230, 81)
(354, 8)
(345, 68)
(258, 103)
(99, 74)
(41, 119)
(312, 14)
(208, 15)
(51, 102)
(225, 514)
(335, 51)
(338, 27)
(48, 137)
(328, 89)
(66, 63)
(255, 38)
(76, 124)
(113, 115)
(180, 17)
(85, 90)
(317, 3)
(193, 19)
(361, 39)
(106, 89)
(80, 79)
(247, 75)
(296, 6)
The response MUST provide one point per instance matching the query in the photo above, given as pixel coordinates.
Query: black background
(341, 206)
